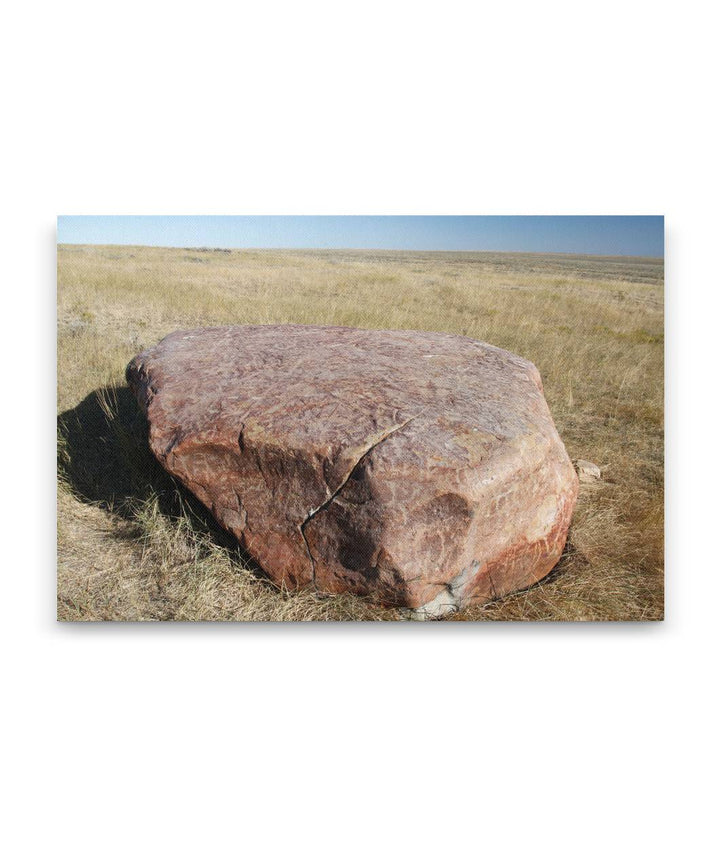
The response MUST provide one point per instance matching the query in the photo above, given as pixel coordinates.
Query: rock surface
(423, 469)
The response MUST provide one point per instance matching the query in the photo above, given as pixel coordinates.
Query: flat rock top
(336, 388)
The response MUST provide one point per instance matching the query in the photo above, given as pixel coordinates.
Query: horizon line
(363, 250)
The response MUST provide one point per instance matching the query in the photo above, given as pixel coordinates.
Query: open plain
(133, 545)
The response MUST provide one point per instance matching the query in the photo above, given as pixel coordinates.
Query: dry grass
(133, 546)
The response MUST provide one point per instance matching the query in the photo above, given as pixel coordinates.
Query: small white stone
(443, 603)
(587, 471)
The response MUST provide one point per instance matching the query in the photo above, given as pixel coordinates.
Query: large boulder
(422, 469)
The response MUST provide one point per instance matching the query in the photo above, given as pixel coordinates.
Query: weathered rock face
(421, 468)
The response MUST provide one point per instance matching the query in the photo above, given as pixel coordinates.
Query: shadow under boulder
(105, 459)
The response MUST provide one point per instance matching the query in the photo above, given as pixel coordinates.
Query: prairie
(132, 545)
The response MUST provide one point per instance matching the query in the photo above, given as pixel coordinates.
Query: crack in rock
(342, 484)
(492, 585)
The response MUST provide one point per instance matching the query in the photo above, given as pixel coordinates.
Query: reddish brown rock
(420, 468)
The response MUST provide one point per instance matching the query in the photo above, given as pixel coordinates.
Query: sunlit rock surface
(422, 469)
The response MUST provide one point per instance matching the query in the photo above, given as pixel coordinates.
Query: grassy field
(132, 545)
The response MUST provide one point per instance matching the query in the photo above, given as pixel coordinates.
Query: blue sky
(602, 235)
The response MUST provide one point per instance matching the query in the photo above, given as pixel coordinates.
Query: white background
(359, 739)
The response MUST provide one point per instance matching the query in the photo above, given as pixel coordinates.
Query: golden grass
(133, 546)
